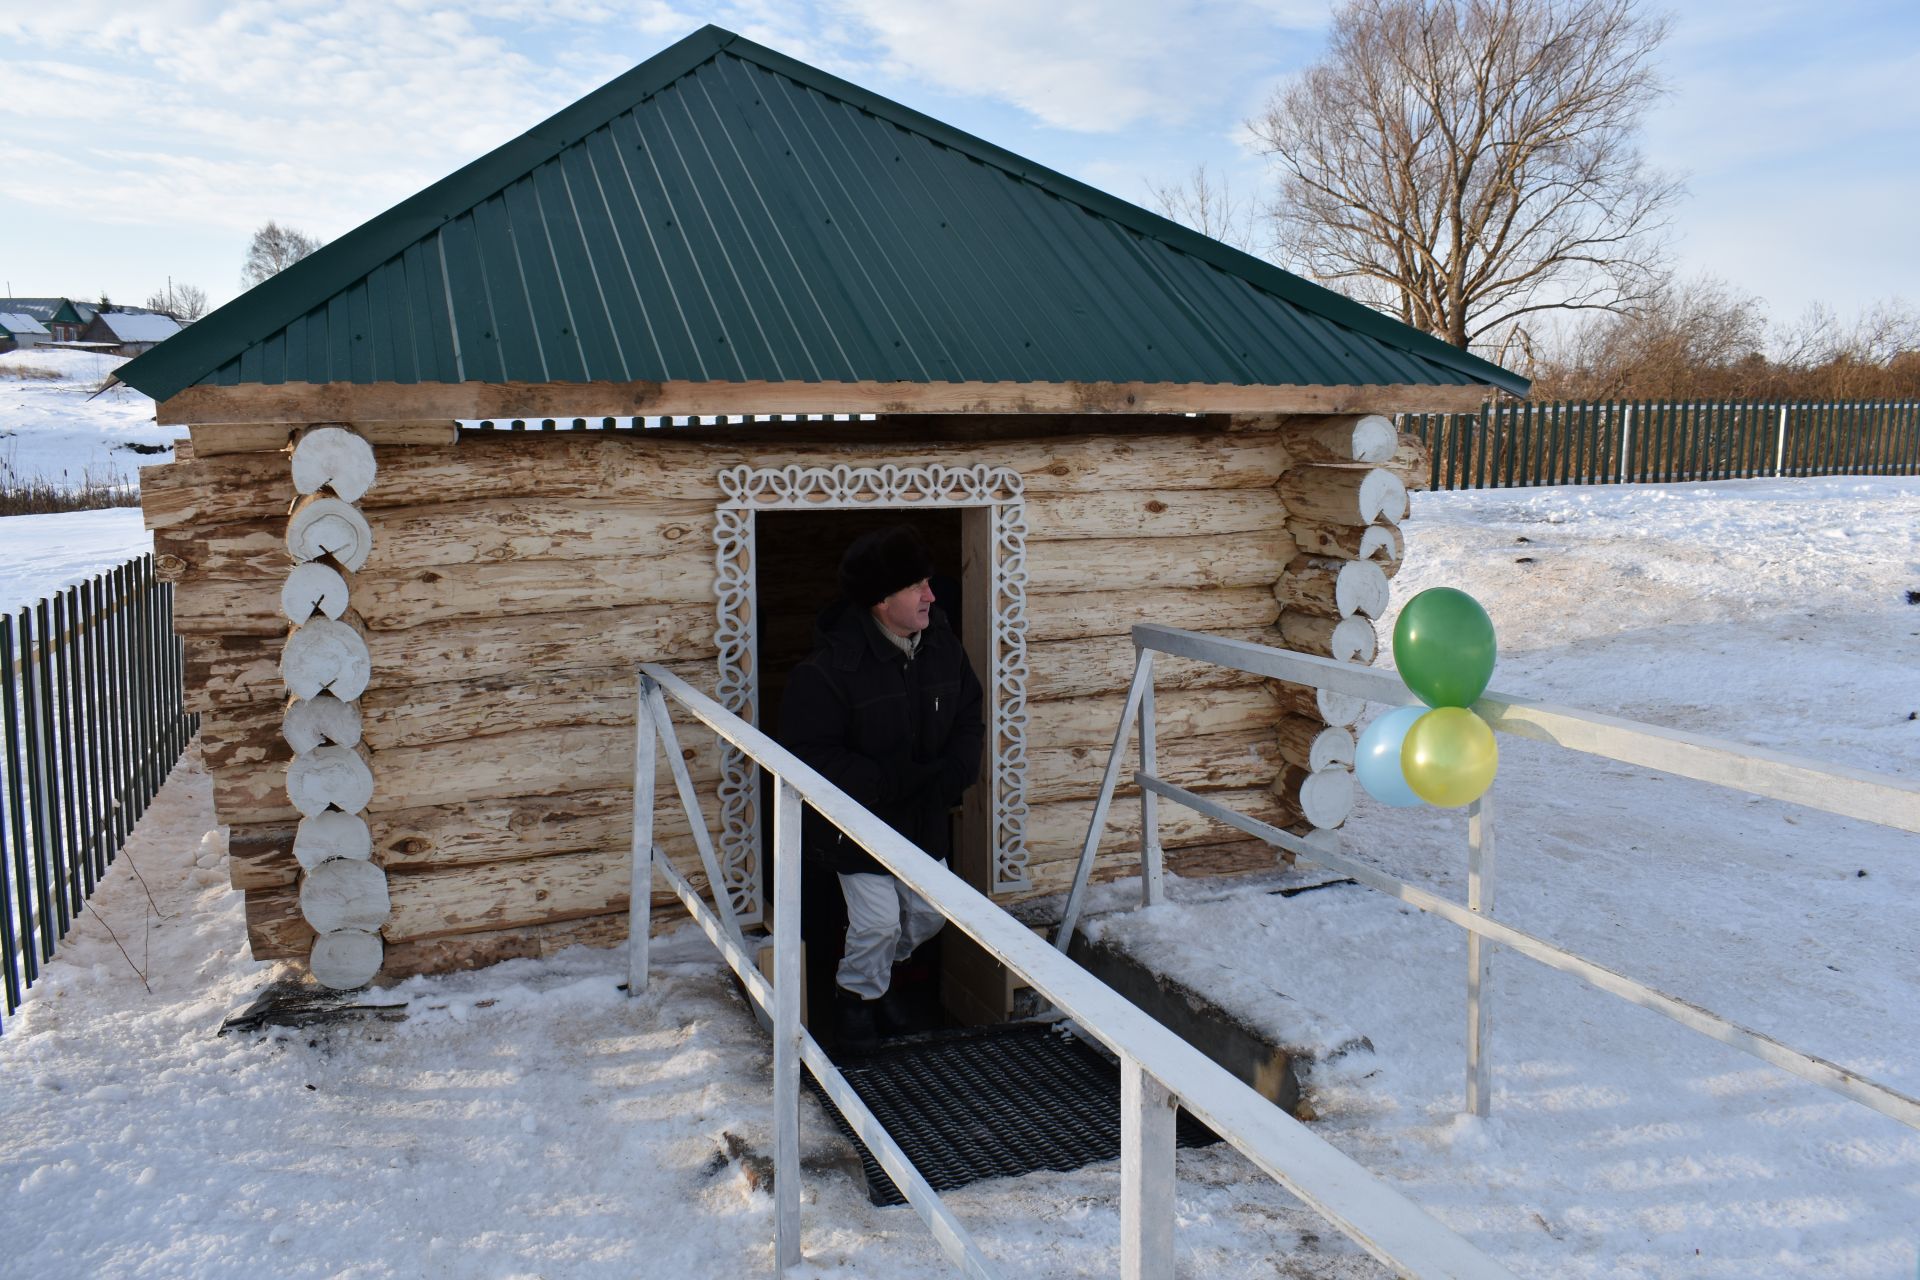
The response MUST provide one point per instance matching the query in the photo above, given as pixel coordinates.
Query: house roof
(724, 213)
(137, 326)
(18, 323)
(44, 310)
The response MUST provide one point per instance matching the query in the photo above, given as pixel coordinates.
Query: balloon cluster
(1440, 753)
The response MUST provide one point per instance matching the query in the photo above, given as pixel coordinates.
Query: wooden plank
(522, 942)
(678, 466)
(1151, 513)
(224, 670)
(536, 528)
(260, 855)
(1090, 721)
(211, 439)
(1080, 614)
(1081, 668)
(1246, 758)
(404, 599)
(252, 794)
(595, 638)
(1137, 564)
(682, 467)
(499, 829)
(414, 715)
(300, 402)
(244, 736)
(528, 762)
(499, 895)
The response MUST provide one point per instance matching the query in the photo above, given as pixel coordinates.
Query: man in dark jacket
(888, 709)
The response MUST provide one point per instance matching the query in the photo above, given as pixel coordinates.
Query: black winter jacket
(900, 736)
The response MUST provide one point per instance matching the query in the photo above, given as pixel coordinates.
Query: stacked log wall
(515, 580)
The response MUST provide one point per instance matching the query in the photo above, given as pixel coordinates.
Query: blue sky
(142, 141)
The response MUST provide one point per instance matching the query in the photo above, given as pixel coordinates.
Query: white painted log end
(1381, 543)
(345, 893)
(1326, 797)
(329, 777)
(313, 588)
(1361, 587)
(309, 722)
(346, 959)
(1383, 496)
(333, 458)
(1354, 640)
(1338, 709)
(1332, 749)
(325, 656)
(1374, 439)
(330, 834)
(328, 526)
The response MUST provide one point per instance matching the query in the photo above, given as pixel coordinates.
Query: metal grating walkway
(990, 1102)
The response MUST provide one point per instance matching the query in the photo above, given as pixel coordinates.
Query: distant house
(130, 332)
(66, 319)
(19, 330)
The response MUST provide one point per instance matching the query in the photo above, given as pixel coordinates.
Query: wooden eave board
(296, 403)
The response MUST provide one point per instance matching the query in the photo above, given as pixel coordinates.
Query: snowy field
(529, 1120)
(53, 427)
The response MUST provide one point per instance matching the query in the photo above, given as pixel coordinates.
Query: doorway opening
(797, 578)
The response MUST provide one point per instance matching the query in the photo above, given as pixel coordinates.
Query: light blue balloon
(1377, 761)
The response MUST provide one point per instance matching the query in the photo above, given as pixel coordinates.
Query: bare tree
(184, 302)
(274, 249)
(1696, 337)
(1207, 206)
(1876, 354)
(1465, 163)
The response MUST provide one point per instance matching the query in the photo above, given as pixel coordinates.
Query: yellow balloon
(1449, 757)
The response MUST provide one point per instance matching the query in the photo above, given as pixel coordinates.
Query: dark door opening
(797, 558)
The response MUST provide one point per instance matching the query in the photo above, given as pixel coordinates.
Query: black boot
(854, 1023)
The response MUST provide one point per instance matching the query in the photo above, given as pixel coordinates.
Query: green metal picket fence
(91, 722)
(1655, 442)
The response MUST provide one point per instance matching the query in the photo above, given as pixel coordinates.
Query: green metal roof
(723, 213)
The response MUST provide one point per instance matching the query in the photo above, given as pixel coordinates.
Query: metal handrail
(1158, 1069)
(1856, 793)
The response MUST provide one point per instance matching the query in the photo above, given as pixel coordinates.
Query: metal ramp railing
(1878, 798)
(1158, 1070)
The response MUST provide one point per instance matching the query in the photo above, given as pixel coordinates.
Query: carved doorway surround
(995, 531)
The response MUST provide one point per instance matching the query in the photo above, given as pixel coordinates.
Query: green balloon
(1443, 645)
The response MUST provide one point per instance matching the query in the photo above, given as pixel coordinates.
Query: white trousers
(885, 922)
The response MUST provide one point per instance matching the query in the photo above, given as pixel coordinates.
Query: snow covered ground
(529, 1120)
(40, 555)
(54, 428)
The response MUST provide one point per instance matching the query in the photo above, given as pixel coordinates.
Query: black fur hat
(881, 562)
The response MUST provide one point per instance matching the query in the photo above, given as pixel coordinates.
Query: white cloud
(1094, 66)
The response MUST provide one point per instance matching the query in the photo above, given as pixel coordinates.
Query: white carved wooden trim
(839, 488)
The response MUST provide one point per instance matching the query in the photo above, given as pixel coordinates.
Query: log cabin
(620, 390)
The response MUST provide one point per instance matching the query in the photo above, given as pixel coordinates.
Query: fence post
(787, 977)
(1146, 1175)
(1153, 886)
(1479, 955)
(1626, 443)
(640, 894)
